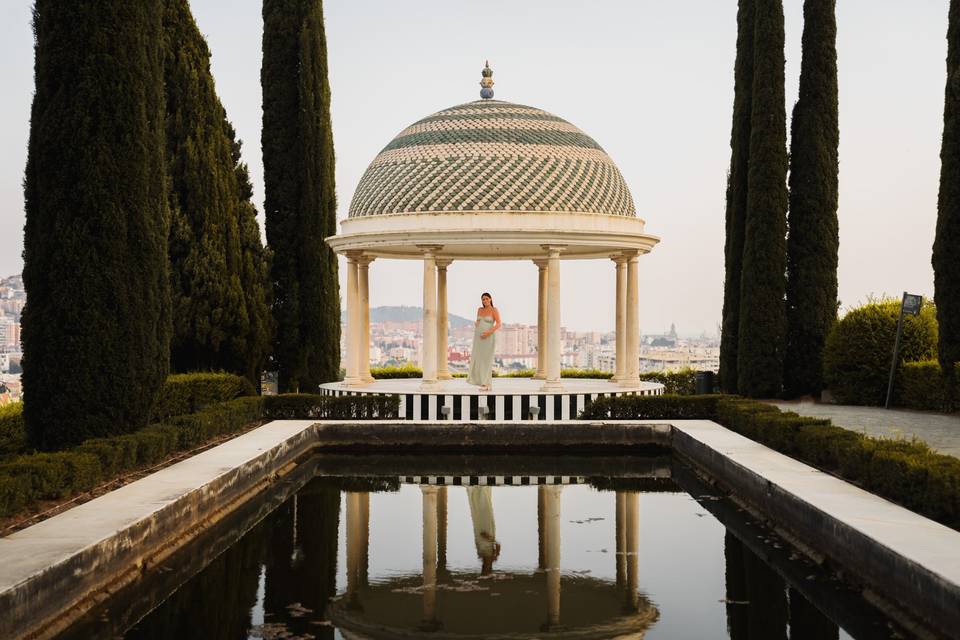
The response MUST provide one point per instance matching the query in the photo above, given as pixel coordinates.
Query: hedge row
(26, 479)
(185, 393)
(920, 385)
(306, 406)
(905, 472)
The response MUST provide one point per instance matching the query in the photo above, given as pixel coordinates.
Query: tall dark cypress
(763, 275)
(946, 267)
(737, 194)
(300, 205)
(96, 331)
(813, 240)
(209, 314)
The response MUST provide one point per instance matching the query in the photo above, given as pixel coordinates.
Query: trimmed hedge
(681, 383)
(920, 385)
(907, 472)
(185, 393)
(48, 476)
(307, 406)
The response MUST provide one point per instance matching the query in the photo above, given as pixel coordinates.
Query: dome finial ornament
(486, 84)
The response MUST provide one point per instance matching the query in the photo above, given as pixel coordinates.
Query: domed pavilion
(492, 180)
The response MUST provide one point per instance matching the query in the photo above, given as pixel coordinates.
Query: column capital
(619, 258)
(429, 489)
(553, 249)
(541, 263)
(443, 263)
(364, 260)
(429, 250)
(353, 255)
(630, 255)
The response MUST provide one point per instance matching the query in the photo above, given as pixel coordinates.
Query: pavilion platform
(512, 399)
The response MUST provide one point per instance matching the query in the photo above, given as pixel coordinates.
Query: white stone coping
(919, 539)
(31, 551)
(500, 386)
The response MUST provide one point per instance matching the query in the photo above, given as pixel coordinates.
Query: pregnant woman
(481, 356)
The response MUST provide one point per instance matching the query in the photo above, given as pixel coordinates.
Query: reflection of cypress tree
(216, 603)
(750, 579)
(305, 572)
(763, 270)
(806, 621)
(96, 331)
(737, 194)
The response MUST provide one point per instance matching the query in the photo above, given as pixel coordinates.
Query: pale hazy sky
(651, 81)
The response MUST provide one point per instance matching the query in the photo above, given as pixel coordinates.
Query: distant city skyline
(651, 82)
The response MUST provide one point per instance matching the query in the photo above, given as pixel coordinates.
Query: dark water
(396, 556)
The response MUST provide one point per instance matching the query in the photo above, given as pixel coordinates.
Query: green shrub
(904, 471)
(408, 370)
(306, 406)
(652, 408)
(920, 385)
(856, 357)
(185, 393)
(13, 438)
(682, 382)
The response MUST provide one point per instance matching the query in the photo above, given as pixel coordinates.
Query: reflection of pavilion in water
(458, 604)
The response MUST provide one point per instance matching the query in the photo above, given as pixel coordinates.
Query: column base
(445, 375)
(552, 385)
(430, 385)
(355, 381)
(367, 379)
(629, 382)
(539, 376)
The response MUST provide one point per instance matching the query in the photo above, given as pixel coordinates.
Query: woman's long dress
(481, 356)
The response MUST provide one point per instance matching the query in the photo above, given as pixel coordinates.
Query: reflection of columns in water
(621, 532)
(541, 560)
(551, 552)
(429, 557)
(442, 528)
(631, 510)
(354, 543)
(364, 563)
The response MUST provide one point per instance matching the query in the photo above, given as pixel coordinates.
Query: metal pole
(896, 352)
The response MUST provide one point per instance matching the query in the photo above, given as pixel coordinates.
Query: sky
(651, 81)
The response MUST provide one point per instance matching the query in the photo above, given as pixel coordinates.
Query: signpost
(909, 306)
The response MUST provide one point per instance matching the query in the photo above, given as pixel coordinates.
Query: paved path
(942, 432)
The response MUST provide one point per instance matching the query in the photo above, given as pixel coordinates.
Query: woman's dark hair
(487, 295)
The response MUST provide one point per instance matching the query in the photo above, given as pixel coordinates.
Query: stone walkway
(942, 432)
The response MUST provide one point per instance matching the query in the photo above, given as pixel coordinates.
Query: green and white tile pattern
(490, 155)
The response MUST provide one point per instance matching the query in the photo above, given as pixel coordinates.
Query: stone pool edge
(80, 570)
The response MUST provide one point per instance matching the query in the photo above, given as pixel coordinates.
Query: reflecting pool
(624, 547)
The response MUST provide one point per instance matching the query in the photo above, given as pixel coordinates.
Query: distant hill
(407, 314)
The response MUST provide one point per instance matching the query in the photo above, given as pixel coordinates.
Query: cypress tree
(96, 331)
(763, 276)
(813, 240)
(737, 194)
(300, 204)
(946, 267)
(209, 314)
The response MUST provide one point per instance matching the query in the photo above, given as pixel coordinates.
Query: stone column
(541, 373)
(354, 330)
(632, 369)
(621, 327)
(443, 324)
(552, 380)
(363, 280)
(429, 360)
(551, 548)
(363, 568)
(429, 622)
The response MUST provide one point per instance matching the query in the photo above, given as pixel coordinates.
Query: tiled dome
(492, 156)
